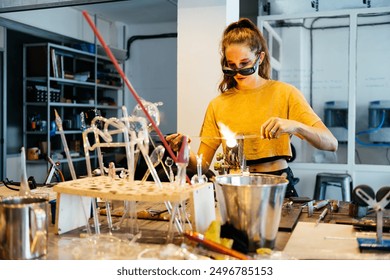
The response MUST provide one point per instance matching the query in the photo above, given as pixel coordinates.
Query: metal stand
(382, 202)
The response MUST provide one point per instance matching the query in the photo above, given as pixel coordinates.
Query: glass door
(313, 55)
(373, 89)
(2, 120)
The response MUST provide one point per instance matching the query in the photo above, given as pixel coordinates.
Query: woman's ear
(262, 56)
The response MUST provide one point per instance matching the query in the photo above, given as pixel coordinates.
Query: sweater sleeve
(210, 134)
(300, 110)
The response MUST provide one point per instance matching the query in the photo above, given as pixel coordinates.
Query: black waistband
(263, 160)
(278, 172)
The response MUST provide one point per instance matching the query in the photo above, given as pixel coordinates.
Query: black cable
(7, 184)
(31, 183)
(145, 37)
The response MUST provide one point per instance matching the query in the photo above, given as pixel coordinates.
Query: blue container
(86, 47)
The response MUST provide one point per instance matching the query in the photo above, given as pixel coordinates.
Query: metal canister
(23, 227)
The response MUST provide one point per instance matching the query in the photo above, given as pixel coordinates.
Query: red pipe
(130, 87)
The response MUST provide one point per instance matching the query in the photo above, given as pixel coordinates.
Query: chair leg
(317, 189)
(323, 187)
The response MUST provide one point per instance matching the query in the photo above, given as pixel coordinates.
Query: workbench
(298, 237)
(333, 238)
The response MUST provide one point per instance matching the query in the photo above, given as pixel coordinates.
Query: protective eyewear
(242, 71)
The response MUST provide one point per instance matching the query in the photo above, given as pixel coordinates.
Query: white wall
(152, 71)
(200, 27)
(68, 22)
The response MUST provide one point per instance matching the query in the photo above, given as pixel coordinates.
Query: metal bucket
(252, 204)
(23, 227)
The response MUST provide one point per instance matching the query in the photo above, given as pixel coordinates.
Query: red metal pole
(129, 86)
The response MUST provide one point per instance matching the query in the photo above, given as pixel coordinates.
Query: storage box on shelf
(70, 81)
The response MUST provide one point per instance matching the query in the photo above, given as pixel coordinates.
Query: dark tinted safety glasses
(242, 71)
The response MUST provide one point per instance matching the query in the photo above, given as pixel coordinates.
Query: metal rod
(129, 86)
(65, 144)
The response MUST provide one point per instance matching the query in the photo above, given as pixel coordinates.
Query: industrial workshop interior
(93, 91)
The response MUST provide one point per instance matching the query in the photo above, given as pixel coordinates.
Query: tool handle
(198, 237)
(320, 204)
(323, 214)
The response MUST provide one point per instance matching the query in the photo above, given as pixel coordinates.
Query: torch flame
(229, 136)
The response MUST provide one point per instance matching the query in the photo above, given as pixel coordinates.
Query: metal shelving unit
(70, 81)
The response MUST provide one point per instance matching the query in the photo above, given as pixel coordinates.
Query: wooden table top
(121, 189)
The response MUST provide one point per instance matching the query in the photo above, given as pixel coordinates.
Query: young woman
(265, 111)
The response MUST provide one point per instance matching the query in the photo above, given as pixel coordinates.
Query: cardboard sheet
(326, 241)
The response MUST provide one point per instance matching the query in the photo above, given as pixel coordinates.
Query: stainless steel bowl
(252, 204)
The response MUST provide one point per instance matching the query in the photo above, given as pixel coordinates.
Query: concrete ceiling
(153, 11)
(156, 11)
(126, 11)
(135, 11)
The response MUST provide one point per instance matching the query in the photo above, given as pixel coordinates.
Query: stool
(338, 180)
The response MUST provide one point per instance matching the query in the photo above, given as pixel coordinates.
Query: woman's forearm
(318, 136)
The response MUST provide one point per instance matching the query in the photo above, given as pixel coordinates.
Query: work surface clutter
(305, 232)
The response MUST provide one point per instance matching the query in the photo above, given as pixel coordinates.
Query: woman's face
(240, 56)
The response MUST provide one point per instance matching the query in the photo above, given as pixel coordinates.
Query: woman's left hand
(274, 127)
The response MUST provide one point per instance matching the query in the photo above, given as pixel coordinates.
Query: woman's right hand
(174, 141)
